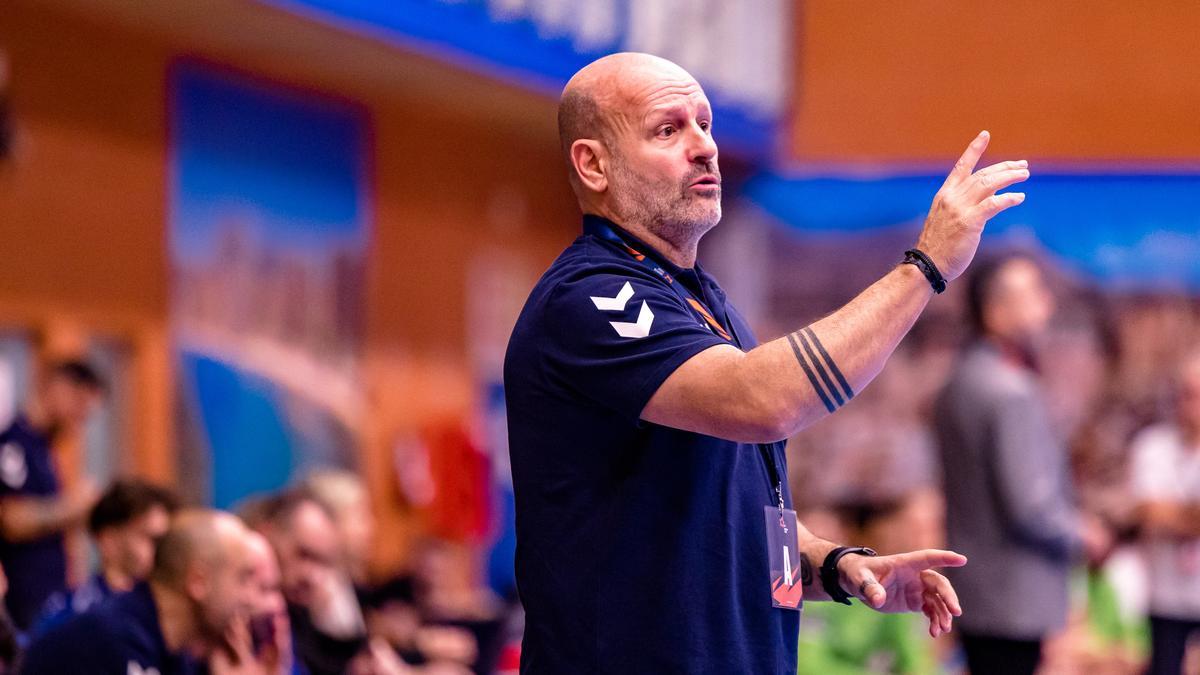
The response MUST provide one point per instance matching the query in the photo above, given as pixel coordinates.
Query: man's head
(71, 390)
(206, 558)
(1008, 298)
(306, 541)
(126, 523)
(345, 497)
(268, 598)
(637, 134)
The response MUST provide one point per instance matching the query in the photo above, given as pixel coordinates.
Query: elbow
(768, 422)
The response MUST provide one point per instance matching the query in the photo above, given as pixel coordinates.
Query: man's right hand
(964, 204)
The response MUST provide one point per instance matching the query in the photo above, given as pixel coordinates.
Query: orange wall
(83, 220)
(1103, 80)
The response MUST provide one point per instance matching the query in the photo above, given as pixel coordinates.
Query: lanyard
(605, 231)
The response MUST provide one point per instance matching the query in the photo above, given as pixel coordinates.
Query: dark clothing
(1009, 498)
(1168, 644)
(640, 548)
(1001, 656)
(318, 653)
(118, 637)
(37, 568)
(62, 606)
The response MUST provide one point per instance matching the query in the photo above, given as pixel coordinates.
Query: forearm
(808, 374)
(1177, 520)
(25, 518)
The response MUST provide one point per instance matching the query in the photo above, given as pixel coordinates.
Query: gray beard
(668, 218)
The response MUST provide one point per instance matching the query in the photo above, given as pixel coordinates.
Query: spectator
(1009, 495)
(126, 524)
(345, 497)
(306, 541)
(35, 511)
(1166, 485)
(202, 584)
(268, 640)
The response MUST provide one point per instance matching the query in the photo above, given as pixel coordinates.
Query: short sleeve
(615, 335)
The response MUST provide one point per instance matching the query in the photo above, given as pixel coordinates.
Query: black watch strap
(831, 579)
(917, 257)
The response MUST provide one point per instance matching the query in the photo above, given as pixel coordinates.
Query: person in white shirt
(1166, 483)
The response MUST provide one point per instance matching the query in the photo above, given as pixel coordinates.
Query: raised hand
(905, 583)
(964, 204)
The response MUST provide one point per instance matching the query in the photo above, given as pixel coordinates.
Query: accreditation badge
(787, 569)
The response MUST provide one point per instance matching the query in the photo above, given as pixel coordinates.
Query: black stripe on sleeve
(808, 371)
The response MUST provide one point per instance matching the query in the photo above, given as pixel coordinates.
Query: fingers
(935, 609)
(939, 602)
(941, 585)
(932, 557)
(992, 206)
(966, 164)
(985, 185)
(1003, 166)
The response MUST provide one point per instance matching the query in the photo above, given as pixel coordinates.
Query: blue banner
(1126, 231)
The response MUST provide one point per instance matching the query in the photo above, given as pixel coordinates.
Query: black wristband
(917, 257)
(831, 579)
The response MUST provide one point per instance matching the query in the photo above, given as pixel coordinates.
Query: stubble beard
(672, 212)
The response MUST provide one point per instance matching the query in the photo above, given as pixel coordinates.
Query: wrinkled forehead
(644, 89)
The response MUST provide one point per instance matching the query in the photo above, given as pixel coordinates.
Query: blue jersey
(119, 636)
(37, 568)
(640, 548)
(66, 604)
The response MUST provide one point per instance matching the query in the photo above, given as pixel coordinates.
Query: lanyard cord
(604, 231)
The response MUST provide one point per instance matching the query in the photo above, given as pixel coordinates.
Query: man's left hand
(905, 583)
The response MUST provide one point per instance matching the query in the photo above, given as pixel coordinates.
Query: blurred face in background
(68, 404)
(128, 550)
(225, 586)
(1189, 395)
(1020, 304)
(309, 552)
(268, 596)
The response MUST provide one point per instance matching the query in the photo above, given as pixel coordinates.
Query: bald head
(601, 98)
(196, 537)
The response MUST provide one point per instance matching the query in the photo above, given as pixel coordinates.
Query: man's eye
(705, 125)
(666, 132)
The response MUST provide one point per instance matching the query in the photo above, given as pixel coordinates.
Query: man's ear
(589, 158)
(196, 582)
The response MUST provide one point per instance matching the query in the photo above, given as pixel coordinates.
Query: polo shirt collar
(694, 277)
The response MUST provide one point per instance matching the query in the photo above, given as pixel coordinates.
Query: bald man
(203, 582)
(654, 525)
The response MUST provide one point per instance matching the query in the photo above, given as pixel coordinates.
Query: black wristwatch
(831, 580)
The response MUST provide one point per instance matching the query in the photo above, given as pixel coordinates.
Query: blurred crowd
(1052, 436)
(280, 586)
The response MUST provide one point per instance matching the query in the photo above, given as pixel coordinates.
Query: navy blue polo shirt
(121, 635)
(640, 548)
(66, 604)
(36, 568)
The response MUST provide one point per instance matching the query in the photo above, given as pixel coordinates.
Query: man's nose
(702, 148)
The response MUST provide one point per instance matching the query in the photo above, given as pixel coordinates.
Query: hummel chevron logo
(640, 329)
(616, 303)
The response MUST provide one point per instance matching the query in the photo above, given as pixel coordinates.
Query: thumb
(870, 590)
